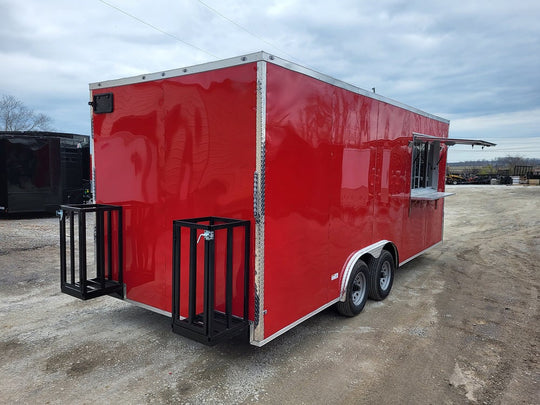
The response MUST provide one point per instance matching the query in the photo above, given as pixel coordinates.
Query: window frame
(432, 158)
(426, 156)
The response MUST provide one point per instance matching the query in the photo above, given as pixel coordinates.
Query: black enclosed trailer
(39, 171)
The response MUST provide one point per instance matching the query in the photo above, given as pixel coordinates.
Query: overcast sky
(476, 63)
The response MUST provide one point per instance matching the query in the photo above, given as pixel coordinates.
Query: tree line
(501, 162)
(16, 116)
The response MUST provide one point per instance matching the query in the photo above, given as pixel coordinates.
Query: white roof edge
(256, 57)
(203, 67)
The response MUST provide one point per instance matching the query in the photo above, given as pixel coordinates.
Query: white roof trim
(256, 57)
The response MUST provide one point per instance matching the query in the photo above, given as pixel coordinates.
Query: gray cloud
(472, 63)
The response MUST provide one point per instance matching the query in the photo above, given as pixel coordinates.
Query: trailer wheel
(381, 276)
(356, 291)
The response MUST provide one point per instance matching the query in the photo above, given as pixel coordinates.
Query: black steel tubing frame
(103, 284)
(210, 326)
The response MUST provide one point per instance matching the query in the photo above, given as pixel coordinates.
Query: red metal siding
(338, 168)
(177, 148)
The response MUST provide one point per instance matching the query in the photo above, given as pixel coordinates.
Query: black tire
(381, 276)
(357, 291)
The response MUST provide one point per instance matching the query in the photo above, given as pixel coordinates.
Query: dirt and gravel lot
(461, 325)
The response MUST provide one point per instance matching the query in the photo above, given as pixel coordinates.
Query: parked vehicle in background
(40, 170)
(455, 179)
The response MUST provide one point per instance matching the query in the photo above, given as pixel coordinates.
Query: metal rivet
(271, 57)
(162, 74)
(185, 70)
(244, 58)
(144, 77)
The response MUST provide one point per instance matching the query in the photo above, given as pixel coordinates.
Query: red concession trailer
(249, 194)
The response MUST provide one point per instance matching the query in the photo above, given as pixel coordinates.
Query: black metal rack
(209, 326)
(108, 244)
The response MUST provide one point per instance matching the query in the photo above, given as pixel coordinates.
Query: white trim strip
(292, 325)
(374, 250)
(150, 308)
(257, 332)
(257, 57)
(419, 254)
(167, 74)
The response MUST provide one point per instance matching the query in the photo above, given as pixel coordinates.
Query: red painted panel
(338, 170)
(422, 225)
(178, 148)
(392, 172)
(300, 165)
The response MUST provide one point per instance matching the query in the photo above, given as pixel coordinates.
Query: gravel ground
(460, 326)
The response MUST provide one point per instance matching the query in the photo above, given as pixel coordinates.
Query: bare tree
(15, 116)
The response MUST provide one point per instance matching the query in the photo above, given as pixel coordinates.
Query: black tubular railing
(105, 276)
(216, 321)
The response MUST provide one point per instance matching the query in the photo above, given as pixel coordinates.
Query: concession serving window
(426, 155)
